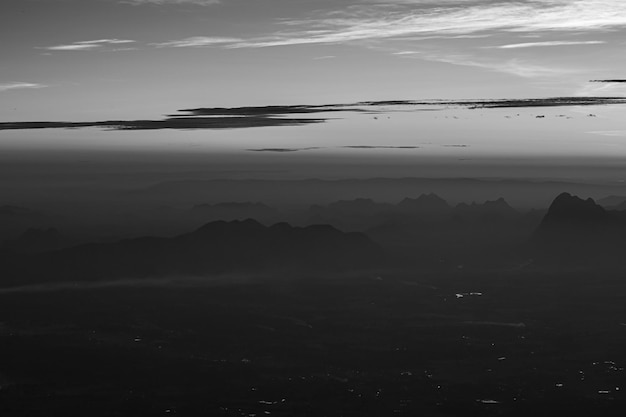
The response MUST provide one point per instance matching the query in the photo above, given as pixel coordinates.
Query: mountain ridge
(216, 247)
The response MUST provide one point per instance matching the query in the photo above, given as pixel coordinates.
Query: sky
(98, 60)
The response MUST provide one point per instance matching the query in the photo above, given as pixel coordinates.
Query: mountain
(353, 215)
(612, 202)
(217, 247)
(166, 220)
(570, 215)
(38, 240)
(581, 232)
(620, 207)
(425, 204)
(234, 211)
(358, 206)
(430, 230)
(364, 213)
(425, 208)
(14, 211)
(520, 193)
(492, 209)
(15, 219)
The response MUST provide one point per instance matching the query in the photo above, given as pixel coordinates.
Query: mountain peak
(230, 226)
(359, 204)
(498, 205)
(571, 217)
(425, 202)
(580, 231)
(567, 206)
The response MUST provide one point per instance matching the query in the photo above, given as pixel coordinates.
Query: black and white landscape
(312, 208)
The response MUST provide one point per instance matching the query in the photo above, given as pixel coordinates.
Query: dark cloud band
(263, 116)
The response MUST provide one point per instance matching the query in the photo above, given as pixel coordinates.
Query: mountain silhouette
(571, 215)
(357, 206)
(38, 240)
(365, 214)
(580, 231)
(353, 215)
(497, 207)
(620, 207)
(217, 247)
(612, 202)
(234, 210)
(15, 219)
(424, 204)
(430, 230)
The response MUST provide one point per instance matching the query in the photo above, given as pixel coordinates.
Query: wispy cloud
(611, 81)
(406, 53)
(71, 47)
(609, 132)
(167, 2)
(379, 147)
(19, 85)
(284, 150)
(87, 45)
(105, 41)
(196, 42)
(524, 69)
(514, 66)
(546, 43)
(407, 18)
(615, 87)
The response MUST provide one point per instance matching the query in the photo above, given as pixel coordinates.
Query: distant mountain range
(420, 231)
(16, 219)
(217, 247)
(520, 193)
(613, 202)
(424, 208)
(573, 231)
(35, 240)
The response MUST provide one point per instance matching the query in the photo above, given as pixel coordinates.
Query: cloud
(406, 53)
(196, 42)
(72, 47)
(105, 41)
(609, 132)
(274, 116)
(88, 45)
(168, 2)
(408, 18)
(526, 69)
(612, 81)
(612, 87)
(513, 66)
(19, 85)
(379, 147)
(176, 123)
(266, 111)
(547, 43)
(283, 150)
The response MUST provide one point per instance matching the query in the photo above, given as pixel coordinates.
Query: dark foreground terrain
(442, 343)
